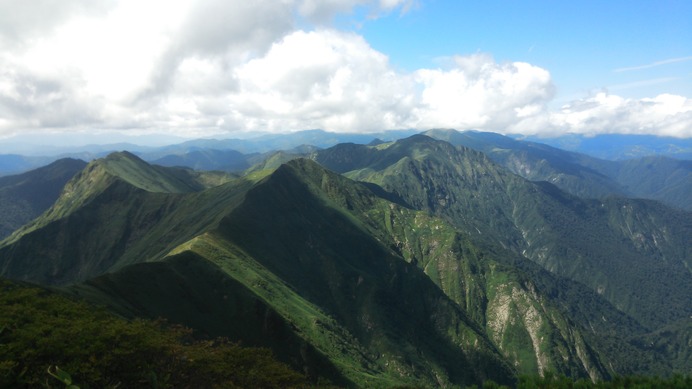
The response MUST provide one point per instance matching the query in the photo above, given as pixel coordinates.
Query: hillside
(440, 267)
(651, 177)
(578, 239)
(115, 211)
(356, 351)
(25, 196)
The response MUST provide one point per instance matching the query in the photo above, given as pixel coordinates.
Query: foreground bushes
(40, 330)
(553, 381)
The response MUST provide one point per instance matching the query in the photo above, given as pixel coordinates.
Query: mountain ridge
(340, 278)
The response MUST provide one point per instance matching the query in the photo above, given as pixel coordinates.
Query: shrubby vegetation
(41, 331)
(553, 381)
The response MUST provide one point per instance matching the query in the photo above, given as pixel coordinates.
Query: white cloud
(479, 93)
(321, 79)
(205, 67)
(322, 11)
(665, 114)
(24, 21)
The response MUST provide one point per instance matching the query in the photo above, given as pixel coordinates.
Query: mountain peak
(151, 178)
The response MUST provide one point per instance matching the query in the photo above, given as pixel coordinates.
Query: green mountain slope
(352, 303)
(658, 178)
(575, 173)
(25, 196)
(102, 221)
(442, 269)
(346, 294)
(568, 236)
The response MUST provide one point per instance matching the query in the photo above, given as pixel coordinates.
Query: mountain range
(434, 260)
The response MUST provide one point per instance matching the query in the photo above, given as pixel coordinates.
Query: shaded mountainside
(580, 239)
(372, 347)
(654, 177)
(381, 321)
(576, 173)
(419, 276)
(25, 196)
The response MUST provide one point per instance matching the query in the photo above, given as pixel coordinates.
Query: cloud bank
(216, 67)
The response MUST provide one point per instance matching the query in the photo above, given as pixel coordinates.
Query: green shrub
(40, 331)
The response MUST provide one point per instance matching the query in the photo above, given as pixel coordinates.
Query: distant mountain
(207, 159)
(273, 142)
(208, 154)
(25, 196)
(657, 178)
(620, 146)
(11, 164)
(660, 178)
(576, 173)
(414, 262)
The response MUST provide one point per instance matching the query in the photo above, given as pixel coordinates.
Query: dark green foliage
(558, 381)
(192, 291)
(42, 332)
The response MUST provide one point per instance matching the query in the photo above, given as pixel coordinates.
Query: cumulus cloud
(322, 11)
(322, 79)
(207, 67)
(665, 114)
(22, 21)
(480, 93)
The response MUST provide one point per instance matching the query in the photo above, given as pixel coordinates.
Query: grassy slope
(344, 290)
(312, 244)
(187, 288)
(343, 294)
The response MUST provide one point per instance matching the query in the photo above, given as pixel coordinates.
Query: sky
(74, 69)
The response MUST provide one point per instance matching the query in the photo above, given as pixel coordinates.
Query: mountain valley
(411, 262)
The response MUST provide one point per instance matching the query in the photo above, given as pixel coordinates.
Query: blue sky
(80, 69)
(586, 45)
